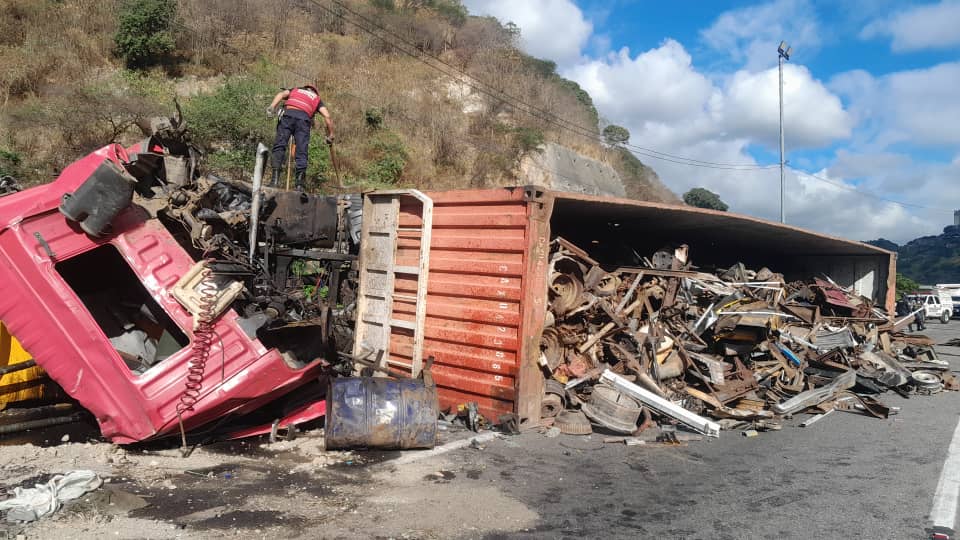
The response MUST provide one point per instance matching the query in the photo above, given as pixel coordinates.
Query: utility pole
(784, 51)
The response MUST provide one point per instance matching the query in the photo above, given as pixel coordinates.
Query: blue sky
(870, 99)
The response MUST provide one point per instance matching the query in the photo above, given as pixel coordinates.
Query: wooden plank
(377, 259)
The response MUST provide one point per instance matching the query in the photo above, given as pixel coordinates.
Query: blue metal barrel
(376, 412)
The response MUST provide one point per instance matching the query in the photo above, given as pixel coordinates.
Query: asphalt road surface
(847, 476)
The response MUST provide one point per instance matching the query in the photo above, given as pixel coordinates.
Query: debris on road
(31, 504)
(743, 347)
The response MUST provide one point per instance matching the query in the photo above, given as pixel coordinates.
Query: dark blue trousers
(298, 126)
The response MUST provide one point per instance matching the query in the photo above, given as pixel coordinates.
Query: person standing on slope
(299, 113)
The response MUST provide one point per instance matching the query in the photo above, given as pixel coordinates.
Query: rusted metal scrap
(741, 346)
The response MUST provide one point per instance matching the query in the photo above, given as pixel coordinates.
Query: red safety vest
(304, 99)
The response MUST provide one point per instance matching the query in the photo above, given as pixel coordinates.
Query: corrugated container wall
(479, 252)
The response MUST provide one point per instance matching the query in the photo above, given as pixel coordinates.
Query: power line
(853, 189)
(563, 123)
(518, 104)
(503, 96)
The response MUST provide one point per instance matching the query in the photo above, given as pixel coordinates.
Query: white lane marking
(416, 455)
(944, 512)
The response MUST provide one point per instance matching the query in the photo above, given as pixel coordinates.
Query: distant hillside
(930, 259)
(400, 78)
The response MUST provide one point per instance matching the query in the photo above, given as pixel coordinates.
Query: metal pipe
(255, 203)
(784, 54)
(16, 416)
(44, 422)
(783, 218)
(13, 368)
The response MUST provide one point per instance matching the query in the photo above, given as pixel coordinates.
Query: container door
(380, 272)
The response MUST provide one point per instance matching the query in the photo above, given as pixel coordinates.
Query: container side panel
(474, 296)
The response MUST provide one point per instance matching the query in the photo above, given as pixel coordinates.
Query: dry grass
(356, 74)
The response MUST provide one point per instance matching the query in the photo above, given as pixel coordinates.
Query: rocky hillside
(422, 94)
(929, 259)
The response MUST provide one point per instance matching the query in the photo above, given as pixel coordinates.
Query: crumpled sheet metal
(817, 396)
(828, 340)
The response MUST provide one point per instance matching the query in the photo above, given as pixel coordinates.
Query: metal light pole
(784, 51)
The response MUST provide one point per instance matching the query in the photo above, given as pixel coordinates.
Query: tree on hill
(615, 135)
(883, 243)
(905, 285)
(144, 36)
(704, 198)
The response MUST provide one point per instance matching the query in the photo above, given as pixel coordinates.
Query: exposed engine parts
(296, 284)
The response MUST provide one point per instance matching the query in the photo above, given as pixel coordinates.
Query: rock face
(560, 168)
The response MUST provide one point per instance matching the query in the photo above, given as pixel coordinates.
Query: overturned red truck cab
(98, 313)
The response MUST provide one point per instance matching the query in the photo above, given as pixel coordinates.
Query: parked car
(952, 289)
(936, 306)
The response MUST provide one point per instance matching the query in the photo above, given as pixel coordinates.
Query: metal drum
(375, 412)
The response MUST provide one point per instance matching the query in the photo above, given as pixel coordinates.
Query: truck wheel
(945, 317)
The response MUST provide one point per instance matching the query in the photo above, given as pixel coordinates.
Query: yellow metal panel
(19, 385)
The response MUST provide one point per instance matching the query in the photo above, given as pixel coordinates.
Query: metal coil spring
(203, 335)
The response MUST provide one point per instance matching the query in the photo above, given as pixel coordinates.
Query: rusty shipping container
(488, 260)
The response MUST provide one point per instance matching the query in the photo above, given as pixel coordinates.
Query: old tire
(945, 317)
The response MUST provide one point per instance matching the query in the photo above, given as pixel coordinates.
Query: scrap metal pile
(624, 347)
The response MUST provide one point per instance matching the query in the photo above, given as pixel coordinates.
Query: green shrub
(383, 4)
(10, 163)
(452, 10)
(388, 158)
(144, 37)
(616, 135)
(583, 97)
(319, 167)
(905, 285)
(374, 117)
(232, 117)
(704, 198)
(528, 139)
(233, 161)
(544, 68)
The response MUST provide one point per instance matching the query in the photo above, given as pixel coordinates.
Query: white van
(953, 289)
(936, 306)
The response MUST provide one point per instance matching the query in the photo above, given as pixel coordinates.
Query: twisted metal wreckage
(744, 348)
(163, 300)
(147, 292)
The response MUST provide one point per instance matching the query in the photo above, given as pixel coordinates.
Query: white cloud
(661, 97)
(931, 26)
(657, 85)
(916, 106)
(810, 203)
(813, 116)
(842, 212)
(670, 105)
(750, 35)
(553, 29)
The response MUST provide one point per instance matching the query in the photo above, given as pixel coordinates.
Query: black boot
(300, 178)
(275, 179)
